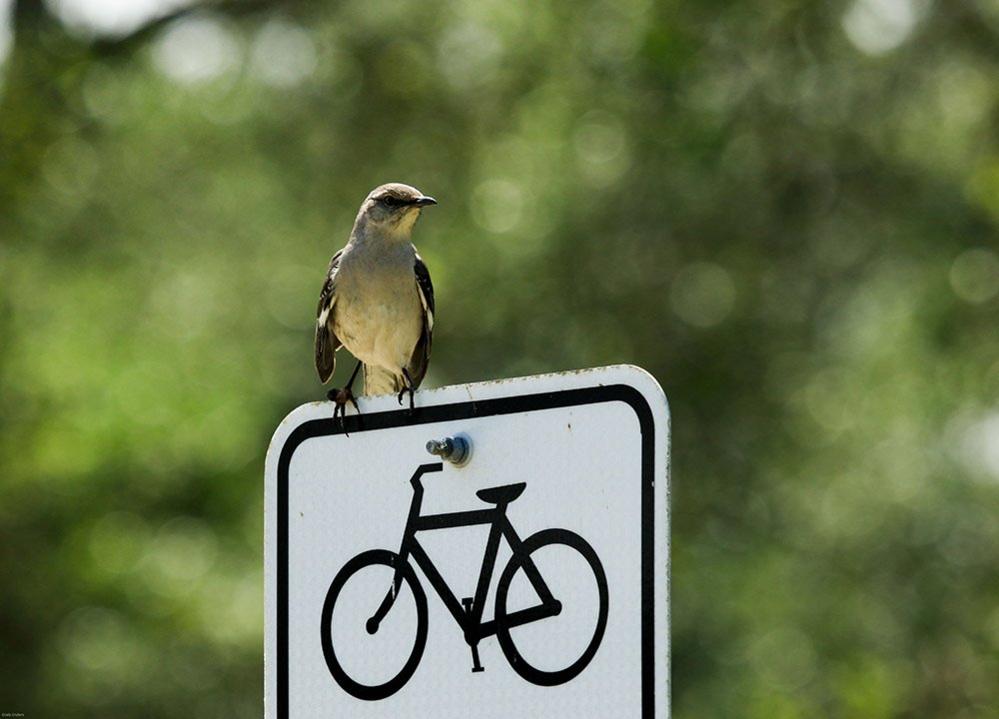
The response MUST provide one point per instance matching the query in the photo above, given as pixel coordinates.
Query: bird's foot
(341, 398)
(402, 393)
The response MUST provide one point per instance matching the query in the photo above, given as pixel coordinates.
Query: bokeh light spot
(283, 54)
(979, 445)
(196, 50)
(879, 26)
(601, 145)
(702, 294)
(974, 275)
(497, 205)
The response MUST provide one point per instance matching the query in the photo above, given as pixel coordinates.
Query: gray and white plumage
(378, 300)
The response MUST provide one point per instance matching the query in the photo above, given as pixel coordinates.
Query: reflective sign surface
(531, 581)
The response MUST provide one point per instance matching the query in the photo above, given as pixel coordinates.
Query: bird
(378, 300)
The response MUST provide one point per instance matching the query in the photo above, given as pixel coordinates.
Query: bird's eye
(391, 201)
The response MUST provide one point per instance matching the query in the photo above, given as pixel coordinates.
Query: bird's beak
(424, 201)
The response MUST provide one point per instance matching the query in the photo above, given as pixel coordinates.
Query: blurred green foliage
(785, 210)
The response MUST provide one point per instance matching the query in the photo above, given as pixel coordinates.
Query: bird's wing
(421, 353)
(327, 343)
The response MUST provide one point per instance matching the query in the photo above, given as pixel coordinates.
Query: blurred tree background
(785, 210)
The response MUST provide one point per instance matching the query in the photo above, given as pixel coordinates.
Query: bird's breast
(378, 312)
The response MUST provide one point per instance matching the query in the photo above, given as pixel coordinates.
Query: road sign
(530, 579)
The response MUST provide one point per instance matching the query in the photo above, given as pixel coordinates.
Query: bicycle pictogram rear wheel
(559, 540)
(360, 622)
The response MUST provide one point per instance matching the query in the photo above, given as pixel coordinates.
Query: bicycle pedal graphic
(477, 667)
(401, 584)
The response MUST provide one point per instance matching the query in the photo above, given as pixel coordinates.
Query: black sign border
(473, 410)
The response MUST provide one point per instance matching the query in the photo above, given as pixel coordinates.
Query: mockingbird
(377, 300)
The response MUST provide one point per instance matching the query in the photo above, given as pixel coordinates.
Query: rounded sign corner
(294, 419)
(646, 384)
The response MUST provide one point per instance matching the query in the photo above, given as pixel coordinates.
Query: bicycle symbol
(468, 613)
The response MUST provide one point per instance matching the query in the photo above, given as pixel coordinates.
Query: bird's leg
(344, 396)
(350, 382)
(408, 387)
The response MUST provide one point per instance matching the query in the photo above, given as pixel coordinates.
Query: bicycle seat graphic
(397, 573)
(501, 495)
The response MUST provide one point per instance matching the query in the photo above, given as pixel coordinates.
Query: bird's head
(393, 208)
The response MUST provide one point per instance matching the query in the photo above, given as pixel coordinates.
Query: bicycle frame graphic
(467, 613)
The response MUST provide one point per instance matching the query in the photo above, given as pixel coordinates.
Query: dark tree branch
(127, 44)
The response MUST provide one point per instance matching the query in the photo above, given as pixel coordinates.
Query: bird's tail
(380, 381)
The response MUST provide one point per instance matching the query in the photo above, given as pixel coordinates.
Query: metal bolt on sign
(457, 450)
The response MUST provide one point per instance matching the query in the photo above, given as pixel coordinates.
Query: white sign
(531, 581)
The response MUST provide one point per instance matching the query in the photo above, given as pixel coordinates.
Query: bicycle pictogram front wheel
(374, 625)
(553, 555)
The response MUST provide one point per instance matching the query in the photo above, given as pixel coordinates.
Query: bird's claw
(402, 393)
(341, 398)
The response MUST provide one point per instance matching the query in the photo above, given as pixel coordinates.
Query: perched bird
(377, 300)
